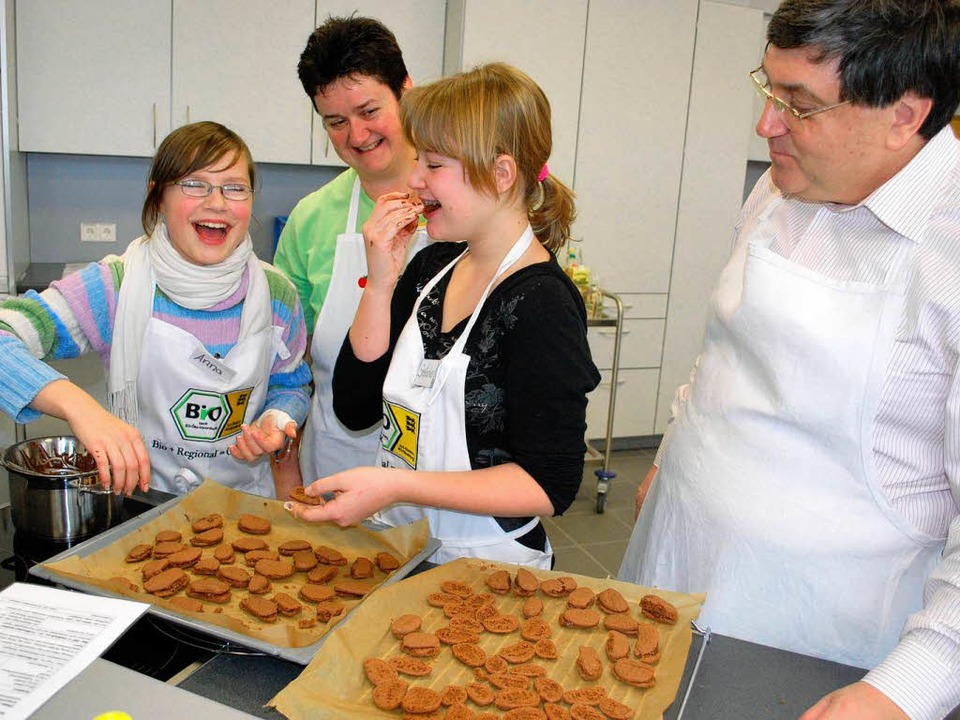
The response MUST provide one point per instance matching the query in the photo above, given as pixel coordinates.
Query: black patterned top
(529, 372)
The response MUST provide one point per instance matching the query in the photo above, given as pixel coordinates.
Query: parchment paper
(102, 568)
(333, 685)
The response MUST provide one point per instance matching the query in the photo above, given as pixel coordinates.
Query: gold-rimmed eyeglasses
(762, 83)
(201, 188)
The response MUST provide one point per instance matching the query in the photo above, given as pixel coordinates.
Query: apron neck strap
(351, 227)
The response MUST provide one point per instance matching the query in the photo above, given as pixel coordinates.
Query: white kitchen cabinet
(235, 62)
(545, 39)
(94, 76)
(636, 404)
(419, 28)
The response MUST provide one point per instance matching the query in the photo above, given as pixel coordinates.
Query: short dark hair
(186, 150)
(350, 46)
(885, 48)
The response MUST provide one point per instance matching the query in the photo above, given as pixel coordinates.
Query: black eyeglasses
(201, 188)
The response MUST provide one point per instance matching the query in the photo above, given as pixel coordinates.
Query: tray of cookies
(475, 638)
(241, 569)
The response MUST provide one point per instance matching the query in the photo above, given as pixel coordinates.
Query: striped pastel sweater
(75, 316)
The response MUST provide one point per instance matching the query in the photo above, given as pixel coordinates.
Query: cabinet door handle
(188, 114)
(612, 331)
(154, 126)
(606, 383)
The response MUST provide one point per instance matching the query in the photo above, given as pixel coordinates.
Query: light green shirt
(309, 240)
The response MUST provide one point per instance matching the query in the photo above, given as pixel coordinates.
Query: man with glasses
(810, 478)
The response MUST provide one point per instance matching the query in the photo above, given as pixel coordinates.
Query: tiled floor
(587, 543)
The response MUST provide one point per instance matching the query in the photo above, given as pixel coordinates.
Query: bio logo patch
(400, 434)
(205, 416)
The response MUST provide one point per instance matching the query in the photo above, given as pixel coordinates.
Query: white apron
(329, 447)
(767, 497)
(192, 405)
(424, 429)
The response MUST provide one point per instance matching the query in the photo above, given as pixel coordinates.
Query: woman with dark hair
(203, 343)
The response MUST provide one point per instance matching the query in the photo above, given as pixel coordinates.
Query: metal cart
(605, 475)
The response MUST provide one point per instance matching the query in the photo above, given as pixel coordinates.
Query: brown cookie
(470, 654)
(501, 624)
(248, 544)
(405, 624)
(209, 589)
(656, 608)
(316, 593)
(621, 622)
(510, 698)
(647, 646)
(581, 711)
(187, 603)
(386, 562)
(558, 587)
(291, 547)
(322, 574)
(378, 671)
(153, 567)
(389, 694)
(168, 536)
(525, 583)
(577, 618)
(139, 552)
(616, 646)
(208, 538)
(304, 561)
(166, 549)
(555, 711)
(209, 522)
(236, 576)
(480, 694)
(123, 583)
(524, 713)
(306, 623)
(461, 622)
(440, 599)
(260, 607)
(184, 558)
(329, 556)
(253, 524)
(419, 700)
(351, 588)
(612, 601)
(410, 666)
(548, 689)
(633, 672)
(167, 583)
(287, 605)
(451, 636)
(453, 695)
(496, 664)
(362, 568)
(535, 628)
(206, 566)
(274, 569)
(499, 582)
(581, 598)
(505, 680)
(225, 554)
(459, 711)
(533, 607)
(614, 709)
(298, 494)
(456, 588)
(545, 649)
(589, 664)
(259, 585)
(254, 556)
(587, 696)
(328, 609)
(421, 644)
(519, 652)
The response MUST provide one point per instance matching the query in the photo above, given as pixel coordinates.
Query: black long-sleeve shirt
(529, 371)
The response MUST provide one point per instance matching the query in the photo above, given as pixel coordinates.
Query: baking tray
(301, 655)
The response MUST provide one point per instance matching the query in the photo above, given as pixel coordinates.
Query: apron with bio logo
(424, 429)
(767, 497)
(192, 405)
(328, 446)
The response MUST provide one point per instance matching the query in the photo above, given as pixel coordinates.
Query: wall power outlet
(98, 232)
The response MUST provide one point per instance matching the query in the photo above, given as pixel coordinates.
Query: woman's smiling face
(206, 230)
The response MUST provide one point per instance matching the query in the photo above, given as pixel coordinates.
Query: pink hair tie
(544, 171)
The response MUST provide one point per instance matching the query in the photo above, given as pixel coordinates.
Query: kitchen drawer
(638, 305)
(636, 404)
(640, 347)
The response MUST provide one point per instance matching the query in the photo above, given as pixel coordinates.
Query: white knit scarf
(151, 262)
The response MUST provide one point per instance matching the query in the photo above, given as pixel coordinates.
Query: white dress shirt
(916, 432)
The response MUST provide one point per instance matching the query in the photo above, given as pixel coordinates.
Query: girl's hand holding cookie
(386, 235)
